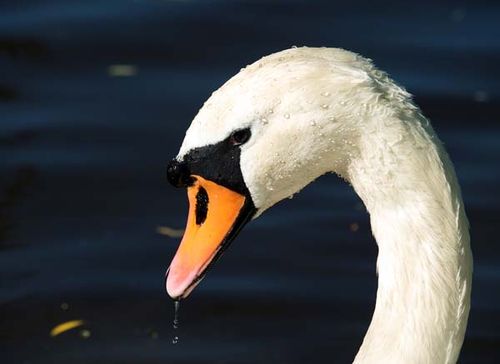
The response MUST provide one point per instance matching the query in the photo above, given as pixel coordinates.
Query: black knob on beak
(178, 174)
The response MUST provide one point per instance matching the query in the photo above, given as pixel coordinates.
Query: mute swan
(295, 115)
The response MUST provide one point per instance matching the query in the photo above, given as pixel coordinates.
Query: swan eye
(240, 137)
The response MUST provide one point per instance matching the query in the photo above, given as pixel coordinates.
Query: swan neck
(424, 263)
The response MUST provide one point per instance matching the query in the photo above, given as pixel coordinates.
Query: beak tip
(179, 285)
(174, 290)
(174, 295)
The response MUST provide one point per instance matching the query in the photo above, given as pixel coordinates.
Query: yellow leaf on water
(168, 231)
(122, 70)
(65, 326)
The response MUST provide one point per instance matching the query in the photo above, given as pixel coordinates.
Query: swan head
(265, 134)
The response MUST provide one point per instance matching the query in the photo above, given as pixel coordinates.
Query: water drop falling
(176, 314)
(326, 94)
(325, 106)
(175, 323)
(263, 121)
(287, 116)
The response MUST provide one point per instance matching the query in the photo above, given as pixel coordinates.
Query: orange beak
(216, 214)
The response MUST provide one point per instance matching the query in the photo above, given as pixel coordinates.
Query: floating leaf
(65, 326)
(167, 231)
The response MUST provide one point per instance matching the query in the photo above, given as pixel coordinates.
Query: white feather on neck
(408, 185)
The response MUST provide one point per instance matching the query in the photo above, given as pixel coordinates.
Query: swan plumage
(313, 111)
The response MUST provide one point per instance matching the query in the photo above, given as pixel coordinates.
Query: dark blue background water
(82, 178)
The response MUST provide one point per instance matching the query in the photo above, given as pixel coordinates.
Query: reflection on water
(94, 100)
(21, 47)
(12, 193)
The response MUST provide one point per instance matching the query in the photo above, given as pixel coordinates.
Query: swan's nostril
(201, 206)
(178, 174)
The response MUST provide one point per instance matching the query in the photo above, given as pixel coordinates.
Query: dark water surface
(83, 190)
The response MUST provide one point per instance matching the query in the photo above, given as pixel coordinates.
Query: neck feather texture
(409, 187)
